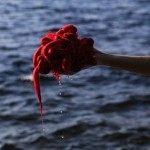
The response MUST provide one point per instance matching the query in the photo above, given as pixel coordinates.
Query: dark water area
(100, 108)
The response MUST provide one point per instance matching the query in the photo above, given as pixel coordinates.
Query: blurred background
(100, 108)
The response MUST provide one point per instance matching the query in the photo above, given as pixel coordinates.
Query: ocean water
(100, 108)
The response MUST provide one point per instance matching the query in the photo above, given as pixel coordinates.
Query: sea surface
(100, 108)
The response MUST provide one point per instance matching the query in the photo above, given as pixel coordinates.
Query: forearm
(138, 64)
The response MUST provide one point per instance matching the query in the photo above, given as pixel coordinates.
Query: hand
(97, 58)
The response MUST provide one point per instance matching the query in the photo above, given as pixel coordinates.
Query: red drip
(61, 53)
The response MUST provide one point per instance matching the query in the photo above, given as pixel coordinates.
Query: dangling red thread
(61, 52)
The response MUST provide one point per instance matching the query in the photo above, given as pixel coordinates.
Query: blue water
(100, 108)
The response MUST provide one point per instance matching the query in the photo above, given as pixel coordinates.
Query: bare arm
(137, 64)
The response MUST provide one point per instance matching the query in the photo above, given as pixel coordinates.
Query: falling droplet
(70, 78)
(45, 131)
(60, 83)
(62, 136)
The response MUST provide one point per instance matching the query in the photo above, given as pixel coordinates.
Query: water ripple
(99, 108)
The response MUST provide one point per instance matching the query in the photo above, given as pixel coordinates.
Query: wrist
(99, 57)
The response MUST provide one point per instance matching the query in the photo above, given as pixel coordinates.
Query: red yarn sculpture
(61, 53)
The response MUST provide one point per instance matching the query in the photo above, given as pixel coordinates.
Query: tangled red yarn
(60, 53)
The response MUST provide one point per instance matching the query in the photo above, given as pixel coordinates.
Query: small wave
(40, 139)
(71, 131)
(9, 47)
(117, 136)
(3, 28)
(141, 140)
(129, 137)
(37, 8)
(141, 129)
(133, 101)
(27, 78)
(8, 146)
(26, 118)
(43, 78)
(5, 92)
(19, 62)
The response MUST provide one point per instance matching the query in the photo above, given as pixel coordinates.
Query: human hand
(97, 56)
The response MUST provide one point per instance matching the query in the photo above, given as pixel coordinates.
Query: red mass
(61, 52)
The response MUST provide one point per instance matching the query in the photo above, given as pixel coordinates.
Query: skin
(136, 64)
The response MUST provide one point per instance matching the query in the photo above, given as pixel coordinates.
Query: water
(101, 108)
